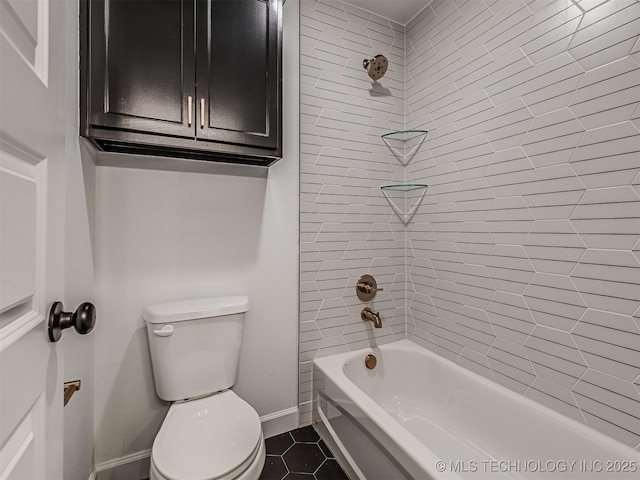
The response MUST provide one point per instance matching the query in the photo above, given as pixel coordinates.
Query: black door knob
(83, 319)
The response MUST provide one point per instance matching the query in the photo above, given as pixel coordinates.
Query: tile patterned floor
(300, 455)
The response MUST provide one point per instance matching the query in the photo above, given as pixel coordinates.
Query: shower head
(376, 67)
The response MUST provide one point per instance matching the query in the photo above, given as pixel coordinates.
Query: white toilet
(209, 433)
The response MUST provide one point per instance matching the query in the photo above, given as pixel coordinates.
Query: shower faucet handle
(366, 288)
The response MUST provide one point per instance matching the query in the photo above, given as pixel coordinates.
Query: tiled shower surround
(523, 262)
(346, 227)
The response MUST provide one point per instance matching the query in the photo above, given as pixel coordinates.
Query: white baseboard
(133, 467)
(136, 465)
(279, 422)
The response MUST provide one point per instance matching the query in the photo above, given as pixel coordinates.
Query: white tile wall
(523, 262)
(347, 227)
(528, 237)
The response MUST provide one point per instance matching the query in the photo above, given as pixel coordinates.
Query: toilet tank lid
(195, 309)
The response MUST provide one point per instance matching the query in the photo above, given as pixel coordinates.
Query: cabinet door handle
(190, 110)
(202, 113)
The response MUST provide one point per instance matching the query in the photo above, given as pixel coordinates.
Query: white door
(32, 176)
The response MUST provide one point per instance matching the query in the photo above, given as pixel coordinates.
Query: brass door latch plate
(69, 389)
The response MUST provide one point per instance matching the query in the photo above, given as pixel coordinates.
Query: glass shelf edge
(401, 132)
(403, 185)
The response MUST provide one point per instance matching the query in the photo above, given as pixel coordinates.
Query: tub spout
(367, 314)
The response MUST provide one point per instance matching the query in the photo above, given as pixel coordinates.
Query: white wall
(164, 236)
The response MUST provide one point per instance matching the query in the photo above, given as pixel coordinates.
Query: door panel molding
(25, 26)
(22, 454)
(22, 248)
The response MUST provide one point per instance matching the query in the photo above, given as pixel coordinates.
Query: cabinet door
(238, 63)
(142, 65)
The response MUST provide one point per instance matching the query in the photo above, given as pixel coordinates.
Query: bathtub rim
(404, 442)
(407, 442)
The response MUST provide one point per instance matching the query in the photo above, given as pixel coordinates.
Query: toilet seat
(216, 437)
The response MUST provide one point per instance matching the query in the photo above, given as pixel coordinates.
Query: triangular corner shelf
(411, 193)
(399, 141)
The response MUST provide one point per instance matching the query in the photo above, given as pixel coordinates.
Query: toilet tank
(195, 345)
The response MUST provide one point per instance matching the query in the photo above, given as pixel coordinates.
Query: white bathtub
(418, 415)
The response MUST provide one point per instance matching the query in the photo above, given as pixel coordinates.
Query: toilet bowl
(213, 438)
(209, 433)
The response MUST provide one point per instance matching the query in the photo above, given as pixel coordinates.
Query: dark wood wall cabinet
(195, 79)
